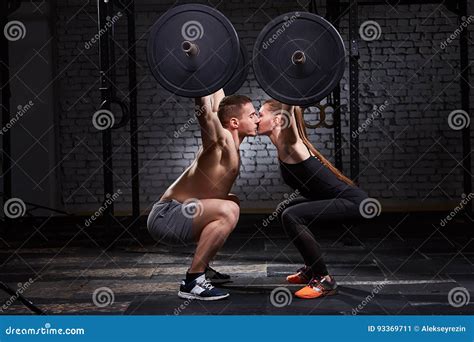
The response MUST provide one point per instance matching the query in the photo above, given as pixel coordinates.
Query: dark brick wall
(407, 153)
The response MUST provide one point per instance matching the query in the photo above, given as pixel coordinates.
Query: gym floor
(396, 272)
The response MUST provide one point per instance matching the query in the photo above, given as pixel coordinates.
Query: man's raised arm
(212, 131)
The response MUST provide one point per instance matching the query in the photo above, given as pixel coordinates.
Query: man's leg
(211, 229)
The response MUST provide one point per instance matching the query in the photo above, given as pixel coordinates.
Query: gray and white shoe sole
(220, 281)
(186, 295)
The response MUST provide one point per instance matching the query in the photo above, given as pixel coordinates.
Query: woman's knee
(287, 218)
(291, 224)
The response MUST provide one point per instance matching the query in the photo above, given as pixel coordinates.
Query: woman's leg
(296, 219)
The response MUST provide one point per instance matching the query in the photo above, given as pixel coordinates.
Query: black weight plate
(299, 84)
(198, 75)
(240, 73)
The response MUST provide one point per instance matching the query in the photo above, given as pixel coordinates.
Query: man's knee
(219, 232)
(233, 198)
(232, 210)
(229, 212)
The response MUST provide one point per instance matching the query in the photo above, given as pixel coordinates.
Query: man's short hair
(231, 107)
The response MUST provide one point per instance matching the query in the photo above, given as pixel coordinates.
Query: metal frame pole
(6, 95)
(465, 94)
(132, 86)
(354, 87)
(333, 14)
(105, 93)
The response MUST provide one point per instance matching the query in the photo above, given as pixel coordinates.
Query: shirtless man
(198, 207)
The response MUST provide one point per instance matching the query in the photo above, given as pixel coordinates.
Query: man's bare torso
(210, 175)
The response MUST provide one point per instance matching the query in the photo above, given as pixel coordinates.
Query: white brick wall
(407, 153)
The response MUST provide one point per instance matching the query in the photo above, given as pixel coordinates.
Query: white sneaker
(201, 289)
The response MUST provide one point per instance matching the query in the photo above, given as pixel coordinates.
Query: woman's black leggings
(301, 212)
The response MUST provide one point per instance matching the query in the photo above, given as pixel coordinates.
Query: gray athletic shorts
(168, 224)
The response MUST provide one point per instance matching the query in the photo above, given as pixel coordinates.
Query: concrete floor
(393, 275)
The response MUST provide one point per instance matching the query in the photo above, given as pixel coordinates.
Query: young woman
(328, 195)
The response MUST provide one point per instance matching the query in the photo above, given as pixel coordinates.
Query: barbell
(193, 50)
(298, 58)
(240, 73)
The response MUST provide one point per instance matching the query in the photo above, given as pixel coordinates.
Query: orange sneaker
(318, 287)
(302, 276)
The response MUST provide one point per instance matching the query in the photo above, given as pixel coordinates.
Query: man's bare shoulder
(229, 140)
(228, 135)
(224, 144)
(226, 139)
